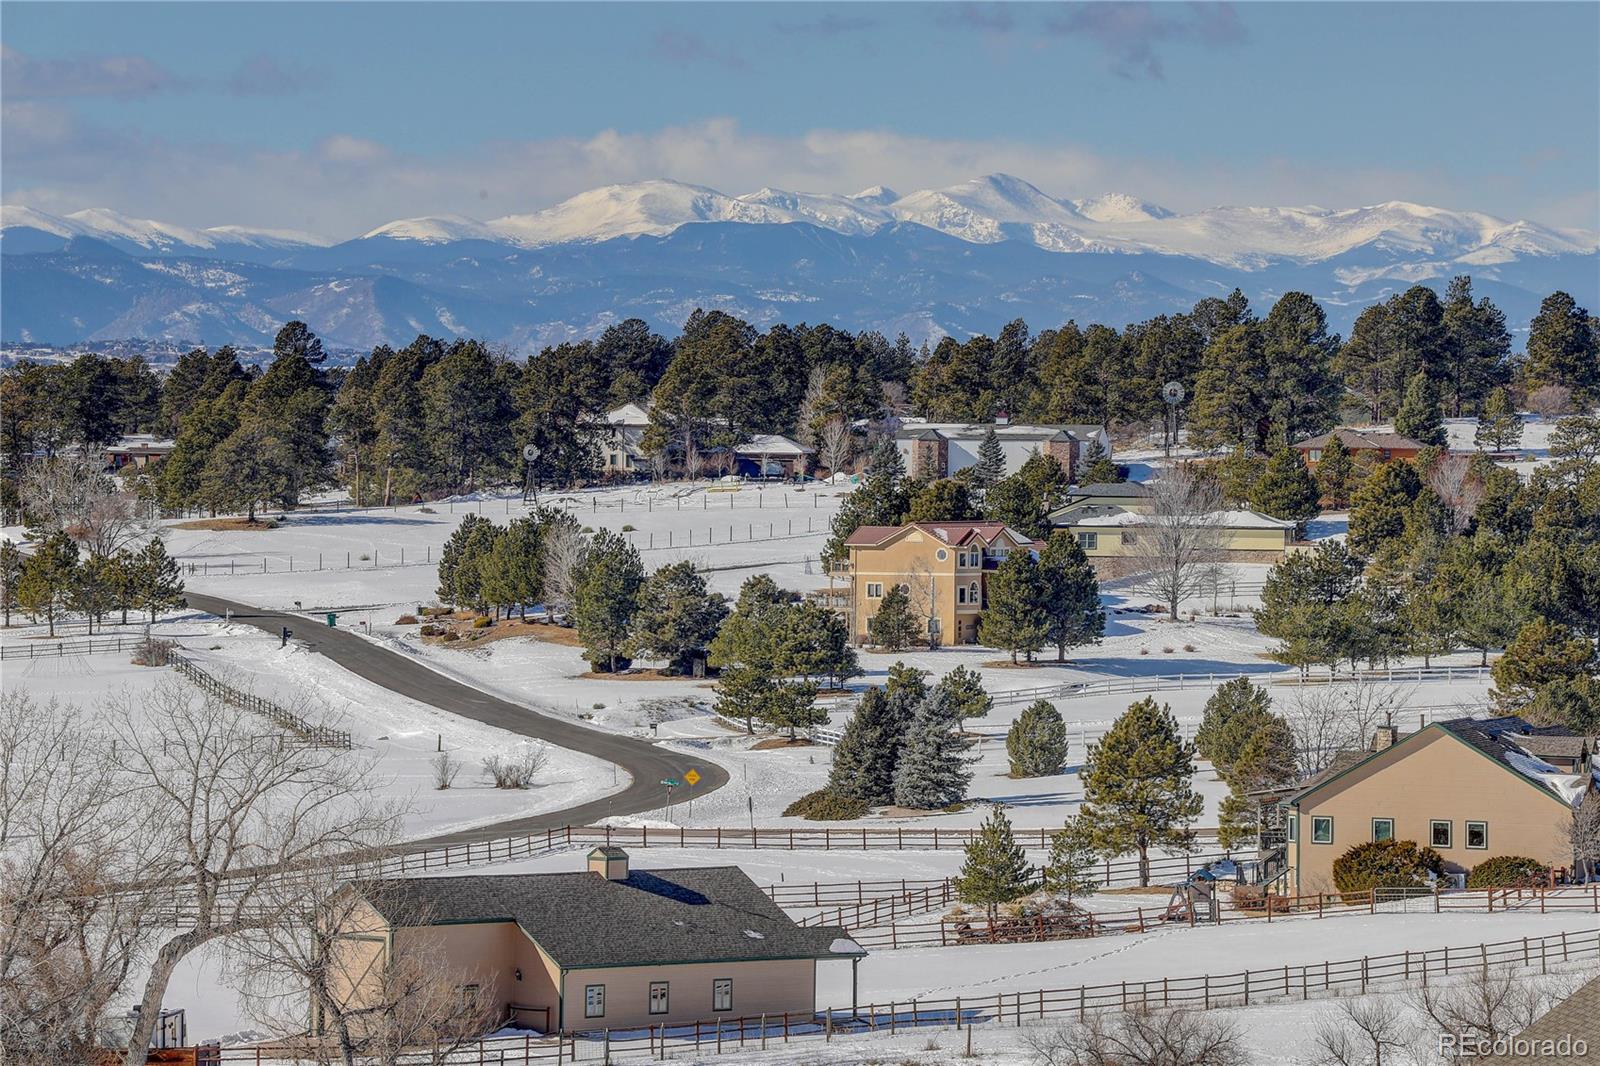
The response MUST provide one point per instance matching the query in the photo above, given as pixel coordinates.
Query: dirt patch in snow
(241, 525)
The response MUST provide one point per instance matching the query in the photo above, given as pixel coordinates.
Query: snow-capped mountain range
(985, 210)
(961, 259)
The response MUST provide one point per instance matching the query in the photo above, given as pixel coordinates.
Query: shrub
(514, 771)
(1507, 871)
(406, 620)
(445, 768)
(482, 622)
(451, 635)
(825, 806)
(628, 528)
(1386, 864)
(431, 630)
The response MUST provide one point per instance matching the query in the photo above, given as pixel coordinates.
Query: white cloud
(346, 184)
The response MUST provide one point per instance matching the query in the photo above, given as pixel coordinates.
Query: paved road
(645, 762)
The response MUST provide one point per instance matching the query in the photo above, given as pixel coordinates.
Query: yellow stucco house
(945, 567)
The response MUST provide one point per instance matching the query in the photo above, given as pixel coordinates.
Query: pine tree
(677, 617)
(1379, 506)
(1013, 501)
(995, 870)
(253, 465)
(10, 575)
(1237, 474)
(158, 582)
(510, 574)
(1542, 652)
(868, 749)
(991, 465)
(943, 500)
(790, 705)
(1479, 349)
(462, 550)
(1286, 490)
(1563, 348)
(1069, 868)
(1499, 427)
(894, 627)
(1302, 605)
(1015, 620)
(1137, 786)
(1334, 472)
(880, 499)
(904, 692)
(1267, 760)
(967, 694)
(1419, 416)
(1036, 743)
(932, 771)
(48, 577)
(741, 694)
(1231, 716)
(94, 593)
(1071, 595)
(127, 581)
(753, 634)
(1097, 467)
(816, 643)
(607, 596)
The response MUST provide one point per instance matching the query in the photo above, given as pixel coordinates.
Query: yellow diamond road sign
(693, 776)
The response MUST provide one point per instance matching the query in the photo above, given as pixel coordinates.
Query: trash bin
(332, 619)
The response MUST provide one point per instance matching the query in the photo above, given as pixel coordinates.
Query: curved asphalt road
(645, 762)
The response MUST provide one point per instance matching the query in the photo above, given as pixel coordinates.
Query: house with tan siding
(945, 567)
(1471, 789)
(1112, 531)
(944, 448)
(608, 948)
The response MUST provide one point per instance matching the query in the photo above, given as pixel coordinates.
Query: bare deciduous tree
(446, 768)
(1490, 1005)
(1550, 401)
(1368, 1032)
(1584, 834)
(835, 444)
(563, 550)
(1328, 719)
(74, 494)
(805, 424)
(1452, 479)
(1139, 1038)
(922, 596)
(518, 770)
(233, 817)
(1177, 546)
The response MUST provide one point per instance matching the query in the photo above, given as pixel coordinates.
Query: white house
(619, 446)
(947, 447)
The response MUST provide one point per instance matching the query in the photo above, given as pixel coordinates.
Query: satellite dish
(1172, 392)
(530, 452)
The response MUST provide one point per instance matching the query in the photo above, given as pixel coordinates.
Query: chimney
(1385, 735)
(610, 863)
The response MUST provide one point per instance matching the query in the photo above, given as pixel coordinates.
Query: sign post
(693, 779)
(671, 784)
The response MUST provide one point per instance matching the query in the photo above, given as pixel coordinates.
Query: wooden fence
(64, 648)
(310, 734)
(1180, 682)
(1204, 992)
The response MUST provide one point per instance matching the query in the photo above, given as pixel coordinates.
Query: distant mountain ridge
(965, 258)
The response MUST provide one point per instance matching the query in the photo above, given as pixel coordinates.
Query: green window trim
(1433, 833)
(1388, 824)
(1483, 830)
(1322, 829)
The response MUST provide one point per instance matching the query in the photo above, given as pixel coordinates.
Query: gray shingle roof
(1576, 1018)
(704, 914)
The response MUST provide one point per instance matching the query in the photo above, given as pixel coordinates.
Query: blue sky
(338, 117)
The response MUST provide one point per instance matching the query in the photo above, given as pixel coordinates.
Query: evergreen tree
(1542, 652)
(880, 499)
(1048, 479)
(1015, 620)
(1379, 506)
(157, 580)
(753, 635)
(1232, 715)
(127, 581)
(1303, 393)
(943, 500)
(967, 695)
(995, 869)
(48, 578)
(607, 596)
(1471, 584)
(1303, 605)
(1480, 347)
(932, 771)
(868, 749)
(1069, 868)
(791, 705)
(1563, 348)
(1232, 405)
(742, 693)
(1335, 471)
(815, 642)
(1071, 595)
(1097, 467)
(894, 627)
(1267, 760)
(1499, 427)
(991, 465)
(1036, 743)
(1137, 785)
(94, 593)
(1013, 501)
(254, 465)
(1286, 490)
(1237, 473)
(1419, 417)
(677, 618)
(468, 414)
(903, 692)
(510, 573)
(461, 551)
(10, 575)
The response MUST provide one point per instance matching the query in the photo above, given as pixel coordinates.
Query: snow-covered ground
(401, 736)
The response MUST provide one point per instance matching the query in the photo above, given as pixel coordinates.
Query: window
(961, 594)
(469, 995)
(1315, 455)
(658, 997)
(722, 993)
(1477, 835)
(972, 593)
(594, 1001)
(1321, 829)
(1088, 541)
(1439, 834)
(1292, 828)
(874, 590)
(934, 626)
(1383, 829)
(941, 555)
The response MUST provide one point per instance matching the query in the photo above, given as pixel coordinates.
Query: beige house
(943, 448)
(1128, 495)
(1112, 531)
(945, 567)
(619, 445)
(1471, 789)
(609, 948)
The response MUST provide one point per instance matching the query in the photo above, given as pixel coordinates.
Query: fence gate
(1402, 900)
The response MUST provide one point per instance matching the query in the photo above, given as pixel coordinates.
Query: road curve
(646, 763)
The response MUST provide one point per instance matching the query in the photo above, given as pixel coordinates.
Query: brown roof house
(1470, 788)
(945, 567)
(1383, 444)
(609, 948)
